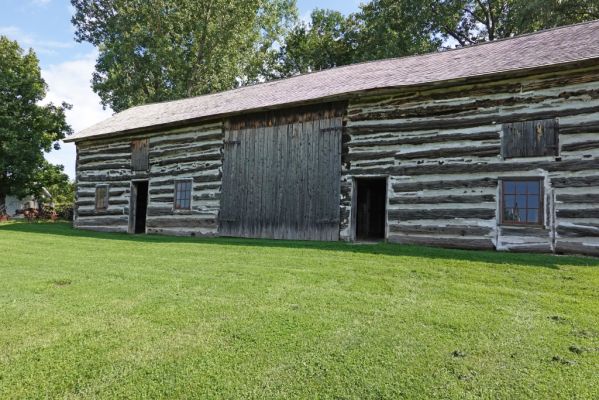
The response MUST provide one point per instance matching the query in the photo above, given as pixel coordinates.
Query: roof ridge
(340, 67)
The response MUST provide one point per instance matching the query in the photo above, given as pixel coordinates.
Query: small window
(522, 202)
(530, 139)
(101, 197)
(183, 195)
(139, 155)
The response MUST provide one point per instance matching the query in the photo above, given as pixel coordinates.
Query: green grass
(92, 315)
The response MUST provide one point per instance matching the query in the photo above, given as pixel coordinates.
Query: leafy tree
(416, 25)
(27, 129)
(54, 180)
(394, 28)
(323, 43)
(156, 50)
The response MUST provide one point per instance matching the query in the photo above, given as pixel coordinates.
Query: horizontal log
(451, 243)
(184, 172)
(562, 247)
(444, 185)
(448, 230)
(160, 211)
(474, 199)
(587, 230)
(197, 148)
(109, 229)
(168, 140)
(92, 202)
(442, 214)
(583, 127)
(588, 145)
(370, 155)
(464, 107)
(188, 159)
(582, 213)
(578, 198)
(103, 150)
(88, 185)
(442, 168)
(206, 196)
(92, 194)
(121, 157)
(573, 182)
(462, 123)
(544, 247)
(105, 221)
(425, 139)
(463, 151)
(91, 213)
(523, 231)
(112, 179)
(182, 223)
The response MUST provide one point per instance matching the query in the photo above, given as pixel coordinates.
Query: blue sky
(67, 65)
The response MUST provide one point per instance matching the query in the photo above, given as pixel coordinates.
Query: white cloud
(70, 81)
(26, 41)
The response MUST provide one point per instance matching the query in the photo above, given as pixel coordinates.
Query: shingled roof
(551, 47)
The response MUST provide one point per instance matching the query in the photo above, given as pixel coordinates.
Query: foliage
(323, 43)
(62, 189)
(396, 28)
(93, 315)
(27, 129)
(474, 21)
(57, 183)
(158, 50)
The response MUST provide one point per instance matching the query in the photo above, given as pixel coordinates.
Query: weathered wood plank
(471, 199)
(441, 214)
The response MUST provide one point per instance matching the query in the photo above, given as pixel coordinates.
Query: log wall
(441, 148)
(190, 153)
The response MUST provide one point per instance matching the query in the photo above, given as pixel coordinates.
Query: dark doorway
(139, 206)
(371, 203)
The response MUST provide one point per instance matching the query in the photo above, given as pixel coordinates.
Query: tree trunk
(2, 203)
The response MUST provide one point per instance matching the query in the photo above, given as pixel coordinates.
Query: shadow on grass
(523, 259)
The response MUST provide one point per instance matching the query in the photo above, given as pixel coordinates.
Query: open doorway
(139, 207)
(370, 206)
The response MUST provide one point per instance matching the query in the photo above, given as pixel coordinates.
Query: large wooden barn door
(281, 175)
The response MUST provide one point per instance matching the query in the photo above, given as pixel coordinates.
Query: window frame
(104, 198)
(540, 223)
(175, 198)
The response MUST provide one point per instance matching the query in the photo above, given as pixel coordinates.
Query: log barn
(493, 146)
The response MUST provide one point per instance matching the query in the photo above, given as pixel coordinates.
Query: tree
(157, 50)
(393, 28)
(323, 43)
(27, 129)
(416, 25)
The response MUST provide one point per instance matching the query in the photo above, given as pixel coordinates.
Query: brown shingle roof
(555, 46)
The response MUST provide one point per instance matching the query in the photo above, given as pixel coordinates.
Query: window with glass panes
(522, 202)
(183, 195)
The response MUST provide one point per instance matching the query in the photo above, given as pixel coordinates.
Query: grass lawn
(92, 315)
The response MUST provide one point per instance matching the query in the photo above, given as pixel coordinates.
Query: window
(101, 197)
(522, 202)
(183, 195)
(139, 155)
(530, 139)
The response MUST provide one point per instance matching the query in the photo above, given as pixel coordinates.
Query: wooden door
(281, 176)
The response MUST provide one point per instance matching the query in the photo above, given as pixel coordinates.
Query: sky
(67, 66)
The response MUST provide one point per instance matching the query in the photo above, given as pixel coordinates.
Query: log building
(494, 146)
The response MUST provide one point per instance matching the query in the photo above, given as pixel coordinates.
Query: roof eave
(339, 97)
